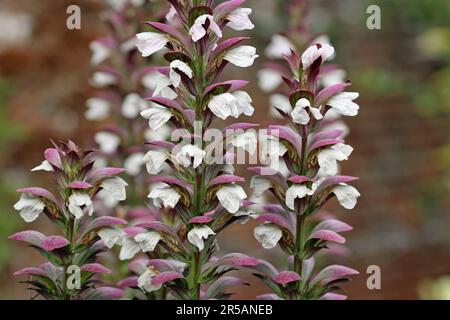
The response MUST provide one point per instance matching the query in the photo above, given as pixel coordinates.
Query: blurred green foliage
(10, 133)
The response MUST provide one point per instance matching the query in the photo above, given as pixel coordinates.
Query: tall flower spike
(203, 197)
(310, 153)
(76, 251)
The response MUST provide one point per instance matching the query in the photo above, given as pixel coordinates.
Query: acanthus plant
(202, 194)
(310, 152)
(72, 269)
(122, 80)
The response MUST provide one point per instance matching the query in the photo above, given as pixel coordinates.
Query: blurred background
(401, 136)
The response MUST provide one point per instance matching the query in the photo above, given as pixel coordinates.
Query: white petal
(279, 47)
(133, 163)
(150, 42)
(100, 52)
(77, 200)
(147, 240)
(300, 115)
(198, 234)
(116, 187)
(145, 281)
(296, 191)
(44, 166)
(197, 30)
(220, 105)
(164, 194)
(98, 109)
(111, 236)
(154, 161)
(281, 102)
(107, 141)
(181, 66)
(239, 20)
(259, 185)
(242, 56)
(132, 105)
(129, 249)
(314, 52)
(184, 157)
(268, 234)
(346, 195)
(316, 113)
(230, 197)
(328, 157)
(269, 80)
(103, 79)
(157, 116)
(242, 104)
(29, 206)
(343, 103)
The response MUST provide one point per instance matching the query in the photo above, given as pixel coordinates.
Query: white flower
(116, 188)
(197, 30)
(296, 191)
(220, 105)
(160, 84)
(129, 249)
(279, 47)
(164, 195)
(147, 240)
(246, 140)
(328, 157)
(259, 185)
(30, 207)
(316, 51)
(77, 201)
(111, 237)
(107, 141)
(100, 52)
(268, 234)
(150, 42)
(239, 20)
(44, 166)
(333, 77)
(300, 115)
(343, 103)
(133, 163)
(103, 79)
(175, 77)
(231, 104)
(98, 109)
(145, 281)
(132, 105)
(157, 116)
(269, 79)
(230, 197)
(106, 199)
(242, 56)
(198, 234)
(242, 104)
(346, 195)
(154, 161)
(185, 155)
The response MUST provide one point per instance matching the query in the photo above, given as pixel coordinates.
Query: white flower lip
(164, 195)
(79, 202)
(230, 197)
(157, 116)
(190, 155)
(108, 141)
(198, 234)
(183, 67)
(239, 19)
(296, 191)
(197, 30)
(150, 42)
(268, 234)
(242, 56)
(154, 161)
(316, 51)
(29, 206)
